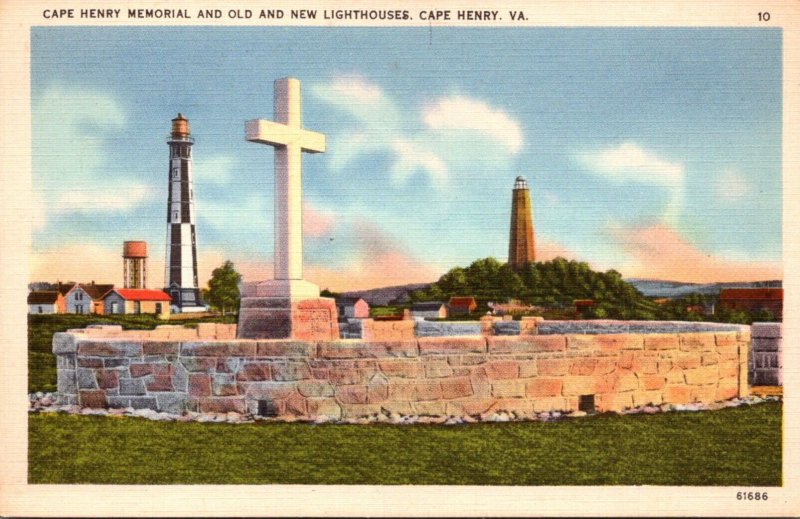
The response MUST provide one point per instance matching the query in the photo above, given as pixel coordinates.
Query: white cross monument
(276, 300)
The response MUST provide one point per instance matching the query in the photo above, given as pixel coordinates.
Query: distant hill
(383, 296)
(674, 289)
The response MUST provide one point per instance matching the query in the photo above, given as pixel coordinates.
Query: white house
(45, 302)
(432, 310)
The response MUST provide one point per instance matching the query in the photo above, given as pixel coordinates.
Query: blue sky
(656, 152)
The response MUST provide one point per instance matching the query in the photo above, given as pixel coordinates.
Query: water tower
(134, 264)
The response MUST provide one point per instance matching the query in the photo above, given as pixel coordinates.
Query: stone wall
(169, 370)
(766, 363)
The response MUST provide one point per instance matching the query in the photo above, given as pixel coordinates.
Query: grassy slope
(738, 446)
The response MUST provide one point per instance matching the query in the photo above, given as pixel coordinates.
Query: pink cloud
(548, 250)
(316, 223)
(660, 252)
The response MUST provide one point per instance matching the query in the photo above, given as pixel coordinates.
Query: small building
(137, 301)
(583, 304)
(753, 300)
(45, 302)
(429, 310)
(86, 298)
(461, 305)
(352, 308)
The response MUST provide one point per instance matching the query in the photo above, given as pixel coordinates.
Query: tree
(223, 287)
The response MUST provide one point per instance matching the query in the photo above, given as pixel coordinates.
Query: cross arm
(277, 134)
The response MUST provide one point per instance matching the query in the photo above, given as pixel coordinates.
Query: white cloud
(115, 198)
(412, 157)
(462, 113)
(216, 169)
(432, 141)
(732, 186)
(630, 163)
(72, 130)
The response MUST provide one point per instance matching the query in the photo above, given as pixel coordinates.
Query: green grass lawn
(739, 446)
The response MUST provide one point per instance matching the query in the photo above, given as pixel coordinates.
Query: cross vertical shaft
(289, 139)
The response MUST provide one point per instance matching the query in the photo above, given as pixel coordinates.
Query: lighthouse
(520, 242)
(181, 262)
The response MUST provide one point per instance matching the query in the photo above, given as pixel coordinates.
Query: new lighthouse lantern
(181, 261)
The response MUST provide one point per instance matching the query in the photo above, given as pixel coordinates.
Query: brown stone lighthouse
(520, 242)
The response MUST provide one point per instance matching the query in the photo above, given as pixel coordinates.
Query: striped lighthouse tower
(181, 264)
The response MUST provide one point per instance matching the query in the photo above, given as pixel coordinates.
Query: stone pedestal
(287, 309)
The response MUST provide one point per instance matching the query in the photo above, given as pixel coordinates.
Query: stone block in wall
(90, 362)
(526, 344)
(451, 345)
(470, 406)
(726, 391)
(64, 343)
(645, 364)
(447, 328)
(576, 385)
(254, 371)
(456, 387)
(273, 391)
(725, 339)
(697, 342)
(286, 371)
(625, 381)
(704, 394)
(766, 330)
(661, 342)
(199, 364)
(109, 348)
(677, 394)
(728, 352)
(95, 399)
(643, 398)
(67, 381)
(506, 328)
(238, 348)
(502, 369)
(223, 384)
(324, 408)
(544, 387)
(206, 330)
(614, 401)
(520, 408)
(427, 390)
(583, 366)
(554, 366)
(173, 403)
(367, 349)
(508, 388)
(652, 382)
(709, 359)
(86, 379)
(107, 379)
(161, 347)
(132, 386)
(226, 332)
(689, 360)
(351, 394)
(437, 369)
(702, 375)
(349, 376)
(430, 408)
(402, 369)
(285, 348)
(221, 405)
(315, 388)
(528, 368)
(67, 361)
(605, 366)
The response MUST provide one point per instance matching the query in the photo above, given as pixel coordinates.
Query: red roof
(462, 301)
(773, 294)
(142, 294)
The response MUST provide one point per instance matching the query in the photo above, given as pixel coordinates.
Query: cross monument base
(286, 309)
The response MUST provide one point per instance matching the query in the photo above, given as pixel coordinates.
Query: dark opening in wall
(267, 408)
(586, 403)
